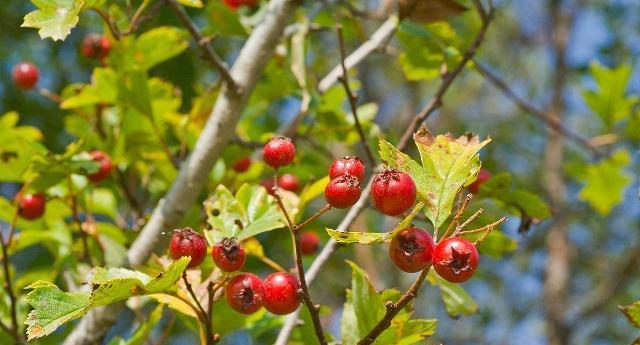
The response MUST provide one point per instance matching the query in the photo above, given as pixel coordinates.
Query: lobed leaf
(632, 312)
(606, 181)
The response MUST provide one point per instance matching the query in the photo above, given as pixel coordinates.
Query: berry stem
(12, 227)
(305, 296)
(344, 80)
(461, 227)
(324, 209)
(455, 219)
(205, 317)
(488, 229)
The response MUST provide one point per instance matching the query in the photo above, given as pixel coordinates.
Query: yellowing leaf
(54, 18)
(632, 312)
(191, 3)
(606, 181)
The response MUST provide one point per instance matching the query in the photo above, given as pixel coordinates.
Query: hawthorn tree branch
(550, 121)
(194, 172)
(344, 79)
(204, 45)
(353, 213)
(8, 287)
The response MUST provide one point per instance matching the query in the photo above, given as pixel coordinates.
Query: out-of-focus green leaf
(143, 332)
(52, 307)
(159, 44)
(610, 101)
(606, 182)
(528, 202)
(363, 308)
(414, 331)
(632, 312)
(250, 212)
(54, 18)
(313, 191)
(18, 144)
(223, 20)
(191, 3)
(103, 89)
(455, 298)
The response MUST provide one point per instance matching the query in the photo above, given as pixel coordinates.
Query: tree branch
(194, 172)
(210, 55)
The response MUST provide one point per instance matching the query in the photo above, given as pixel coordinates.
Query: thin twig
(530, 109)
(314, 309)
(455, 219)
(488, 230)
(324, 209)
(205, 320)
(394, 308)
(344, 79)
(76, 218)
(461, 227)
(8, 286)
(200, 40)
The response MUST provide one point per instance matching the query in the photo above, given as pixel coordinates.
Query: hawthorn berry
(279, 152)
(228, 254)
(309, 242)
(105, 166)
(186, 242)
(95, 46)
(281, 293)
(235, 4)
(351, 165)
(242, 164)
(268, 185)
(31, 206)
(343, 191)
(245, 293)
(25, 75)
(393, 192)
(411, 249)
(288, 182)
(455, 259)
(483, 176)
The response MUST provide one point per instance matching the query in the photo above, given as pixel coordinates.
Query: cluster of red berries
(95, 46)
(245, 293)
(31, 206)
(454, 258)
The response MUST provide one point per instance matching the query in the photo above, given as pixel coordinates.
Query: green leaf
(250, 212)
(103, 89)
(632, 312)
(374, 237)
(191, 3)
(455, 298)
(363, 309)
(18, 144)
(606, 182)
(53, 307)
(143, 332)
(54, 18)
(528, 202)
(223, 20)
(159, 44)
(609, 101)
(414, 331)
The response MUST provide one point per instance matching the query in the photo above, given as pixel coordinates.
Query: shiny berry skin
(288, 182)
(309, 242)
(483, 176)
(25, 75)
(351, 165)
(455, 259)
(245, 293)
(242, 164)
(95, 46)
(393, 192)
(268, 185)
(279, 152)
(411, 249)
(105, 166)
(186, 242)
(228, 254)
(281, 293)
(235, 4)
(343, 191)
(31, 206)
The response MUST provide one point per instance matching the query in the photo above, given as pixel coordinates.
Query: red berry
(234, 4)
(31, 206)
(25, 75)
(229, 255)
(245, 293)
(483, 175)
(186, 242)
(268, 185)
(351, 165)
(393, 192)
(281, 293)
(279, 152)
(411, 249)
(455, 259)
(343, 191)
(309, 242)
(288, 182)
(95, 46)
(242, 164)
(105, 166)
